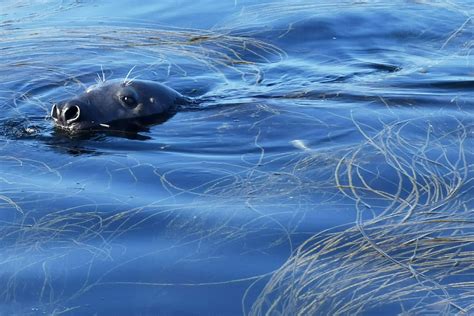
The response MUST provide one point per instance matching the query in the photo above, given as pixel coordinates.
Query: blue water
(344, 124)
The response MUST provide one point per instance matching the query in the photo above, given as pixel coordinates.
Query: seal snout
(66, 114)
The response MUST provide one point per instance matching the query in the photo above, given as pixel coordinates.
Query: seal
(115, 102)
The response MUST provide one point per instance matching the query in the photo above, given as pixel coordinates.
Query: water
(327, 169)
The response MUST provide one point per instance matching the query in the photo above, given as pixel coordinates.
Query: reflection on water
(324, 169)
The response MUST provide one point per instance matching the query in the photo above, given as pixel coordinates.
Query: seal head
(110, 102)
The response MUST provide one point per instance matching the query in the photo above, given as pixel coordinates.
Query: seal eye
(128, 100)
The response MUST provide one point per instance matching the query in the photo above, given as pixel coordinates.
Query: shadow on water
(326, 169)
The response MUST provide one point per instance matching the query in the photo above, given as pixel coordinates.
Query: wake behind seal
(113, 101)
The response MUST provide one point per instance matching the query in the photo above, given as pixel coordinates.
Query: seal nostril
(55, 112)
(72, 113)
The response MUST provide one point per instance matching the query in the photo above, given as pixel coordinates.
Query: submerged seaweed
(410, 248)
(339, 184)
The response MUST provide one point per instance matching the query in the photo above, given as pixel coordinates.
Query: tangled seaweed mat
(411, 249)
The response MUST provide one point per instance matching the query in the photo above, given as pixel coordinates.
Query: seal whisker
(131, 80)
(100, 76)
(103, 74)
(126, 81)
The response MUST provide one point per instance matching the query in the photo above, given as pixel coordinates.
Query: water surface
(326, 170)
